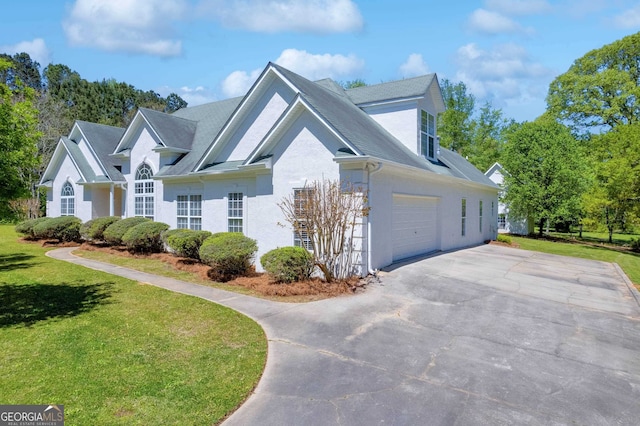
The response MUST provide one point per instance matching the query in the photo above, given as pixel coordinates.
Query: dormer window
(427, 135)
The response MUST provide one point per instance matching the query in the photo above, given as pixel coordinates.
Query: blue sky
(505, 51)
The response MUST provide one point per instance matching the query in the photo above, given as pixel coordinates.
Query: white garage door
(414, 226)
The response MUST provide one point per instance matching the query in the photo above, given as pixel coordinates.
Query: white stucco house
(224, 166)
(507, 223)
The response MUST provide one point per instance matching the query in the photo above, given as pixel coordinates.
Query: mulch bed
(258, 282)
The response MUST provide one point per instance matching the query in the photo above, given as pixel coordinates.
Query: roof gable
(248, 102)
(102, 140)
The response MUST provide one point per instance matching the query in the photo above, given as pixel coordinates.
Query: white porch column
(111, 201)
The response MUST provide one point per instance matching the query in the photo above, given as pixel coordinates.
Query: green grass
(114, 351)
(628, 261)
(598, 237)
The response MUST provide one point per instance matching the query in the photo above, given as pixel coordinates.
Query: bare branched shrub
(325, 217)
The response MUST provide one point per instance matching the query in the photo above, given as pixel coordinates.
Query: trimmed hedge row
(229, 254)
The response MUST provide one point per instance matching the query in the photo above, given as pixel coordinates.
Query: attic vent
(118, 168)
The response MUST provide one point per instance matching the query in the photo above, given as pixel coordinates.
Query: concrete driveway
(488, 335)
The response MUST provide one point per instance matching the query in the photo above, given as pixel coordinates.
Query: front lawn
(114, 351)
(628, 261)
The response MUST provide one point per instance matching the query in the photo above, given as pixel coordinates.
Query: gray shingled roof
(400, 89)
(79, 159)
(103, 139)
(372, 139)
(174, 131)
(210, 119)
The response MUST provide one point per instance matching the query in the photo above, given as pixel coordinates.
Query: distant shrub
(288, 264)
(229, 254)
(145, 237)
(63, 229)
(635, 244)
(93, 229)
(504, 238)
(185, 242)
(114, 232)
(26, 228)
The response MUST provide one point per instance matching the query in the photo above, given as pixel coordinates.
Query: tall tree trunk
(541, 225)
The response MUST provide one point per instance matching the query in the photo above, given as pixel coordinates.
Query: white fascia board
(389, 102)
(281, 125)
(412, 171)
(54, 158)
(170, 149)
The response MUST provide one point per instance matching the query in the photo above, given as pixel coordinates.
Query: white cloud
(414, 66)
(519, 7)
(505, 74)
(629, 19)
(126, 25)
(311, 66)
(491, 22)
(238, 82)
(315, 67)
(36, 48)
(313, 16)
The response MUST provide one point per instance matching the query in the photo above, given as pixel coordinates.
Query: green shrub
(114, 232)
(288, 264)
(635, 244)
(93, 230)
(185, 242)
(26, 228)
(504, 238)
(229, 254)
(63, 229)
(145, 237)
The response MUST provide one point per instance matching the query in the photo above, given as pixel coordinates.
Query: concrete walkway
(488, 335)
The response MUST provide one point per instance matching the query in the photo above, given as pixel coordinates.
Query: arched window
(67, 200)
(143, 189)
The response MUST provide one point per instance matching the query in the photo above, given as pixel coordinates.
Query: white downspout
(370, 173)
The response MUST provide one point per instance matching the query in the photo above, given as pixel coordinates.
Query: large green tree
(614, 197)
(455, 124)
(601, 89)
(546, 172)
(18, 138)
(487, 137)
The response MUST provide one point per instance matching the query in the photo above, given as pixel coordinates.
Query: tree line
(38, 106)
(578, 163)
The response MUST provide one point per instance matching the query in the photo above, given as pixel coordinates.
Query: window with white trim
(427, 135)
(235, 212)
(301, 237)
(464, 216)
(502, 221)
(144, 192)
(189, 212)
(67, 200)
(480, 209)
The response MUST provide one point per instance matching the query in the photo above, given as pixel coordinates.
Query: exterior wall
(305, 154)
(142, 152)
(68, 172)
(401, 120)
(449, 193)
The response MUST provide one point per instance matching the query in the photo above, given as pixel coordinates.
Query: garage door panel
(413, 226)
